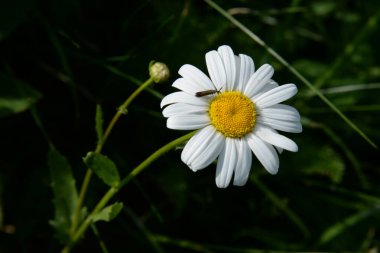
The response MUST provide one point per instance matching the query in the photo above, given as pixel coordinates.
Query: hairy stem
(113, 190)
(86, 181)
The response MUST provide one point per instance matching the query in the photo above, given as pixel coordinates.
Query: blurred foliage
(65, 194)
(63, 58)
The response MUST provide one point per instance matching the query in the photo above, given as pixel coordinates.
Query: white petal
(246, 70)
(182, 97)
(276, 95)
(203, 148)
(267, 87)
(280, 112)
(279, 150)
(226, 164)
(216, 70)
(282, 125)
(187, 86)
(188, 122)
(209, 155)
(178, 109)
(196, 144)
(258, 80)
(244, 163)
(271, 137)
(265, 153)
(195, 75)
(228, 58)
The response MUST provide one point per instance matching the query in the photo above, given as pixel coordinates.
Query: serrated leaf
(108, 213)
(103, 167)
(99, 123)
(326, 162)
(65, 194)
(15, 96)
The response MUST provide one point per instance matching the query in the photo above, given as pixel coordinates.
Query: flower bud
(159, 72)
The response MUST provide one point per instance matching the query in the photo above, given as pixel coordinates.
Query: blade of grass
(352, 108)
(349, 155)
(152, 206)
(100, 240)
(367, 243)
(181, 243)
(64, 62)
(38, 122)
(350, 193)
(210, 248)
(341, 226)
(119, 73)
(282, 206)
(279, 58)
(148, 38)
(132, 79)
(351, 88)
(148, 235)
(349, 49)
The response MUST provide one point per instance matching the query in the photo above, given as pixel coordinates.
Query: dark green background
(64, 57)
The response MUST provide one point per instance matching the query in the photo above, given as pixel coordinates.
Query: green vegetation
(69, 184)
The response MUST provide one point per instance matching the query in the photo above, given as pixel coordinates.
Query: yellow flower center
(233, 114)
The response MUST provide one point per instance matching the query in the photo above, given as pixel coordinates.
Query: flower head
(238, 111)
(159, 72)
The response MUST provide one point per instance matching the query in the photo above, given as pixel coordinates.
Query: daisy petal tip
(169, 125)
(224, 47)
(191, 167)
(239, 183)
(273, 171)
(210, 54)
(221, 185)
(162, 104)
(267, 69)
(294, 148)
(225, 50)
(183, 68)
(299, 129)
(293, 87)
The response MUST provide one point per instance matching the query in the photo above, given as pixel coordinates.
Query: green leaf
(15, 95)
(103, 167)
(323, 8)
(108, 213)
(99, 123)
(326, 162)
(65, 194)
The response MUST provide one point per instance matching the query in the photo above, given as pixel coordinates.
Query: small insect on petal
(207, 92)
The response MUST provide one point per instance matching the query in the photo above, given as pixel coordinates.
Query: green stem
(121, 110)
(113, 190)
(290, 68)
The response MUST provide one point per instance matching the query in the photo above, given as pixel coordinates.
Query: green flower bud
(159, 72)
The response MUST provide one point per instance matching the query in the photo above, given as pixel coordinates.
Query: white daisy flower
(238, 112)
